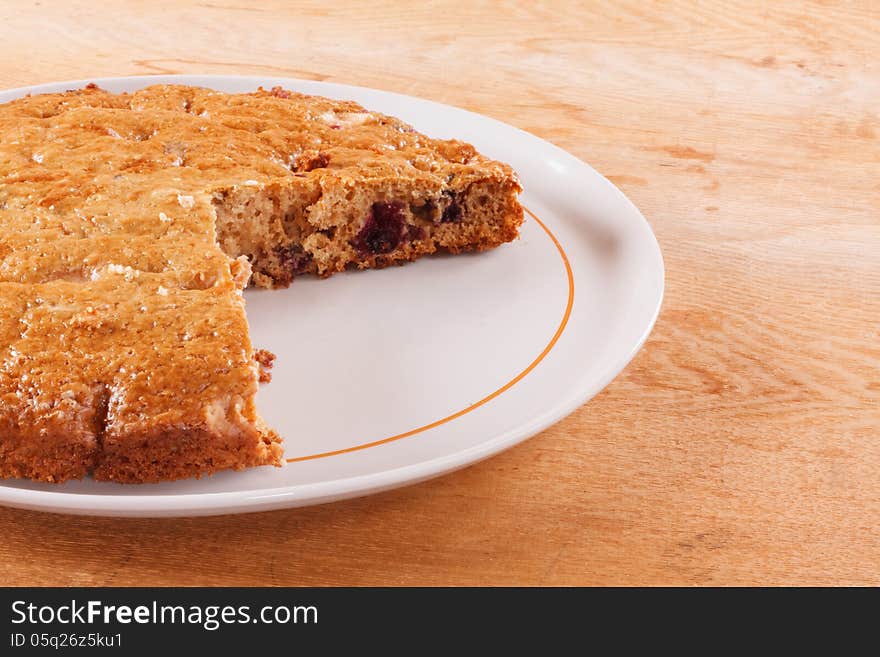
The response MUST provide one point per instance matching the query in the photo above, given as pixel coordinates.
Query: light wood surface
(741, 446)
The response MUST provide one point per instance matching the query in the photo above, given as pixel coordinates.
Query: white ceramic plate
(390, 377)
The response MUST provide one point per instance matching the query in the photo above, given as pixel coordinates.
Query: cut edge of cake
(373, 224)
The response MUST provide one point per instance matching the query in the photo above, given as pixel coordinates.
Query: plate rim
(307, 494)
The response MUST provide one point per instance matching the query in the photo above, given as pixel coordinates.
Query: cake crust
(131, 223)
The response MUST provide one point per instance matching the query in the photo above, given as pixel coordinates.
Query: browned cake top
(95, 152)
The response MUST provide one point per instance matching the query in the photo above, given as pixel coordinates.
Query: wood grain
(741, 446)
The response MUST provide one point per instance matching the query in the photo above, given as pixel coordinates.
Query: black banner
(148, 620)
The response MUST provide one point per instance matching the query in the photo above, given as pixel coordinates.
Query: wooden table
(741, 446)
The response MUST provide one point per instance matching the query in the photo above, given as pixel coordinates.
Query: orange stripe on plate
(485, 400)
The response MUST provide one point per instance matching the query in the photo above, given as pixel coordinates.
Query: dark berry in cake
(452, 213)
(383, 230)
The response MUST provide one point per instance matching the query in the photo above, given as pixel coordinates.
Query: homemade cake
(132, 222)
